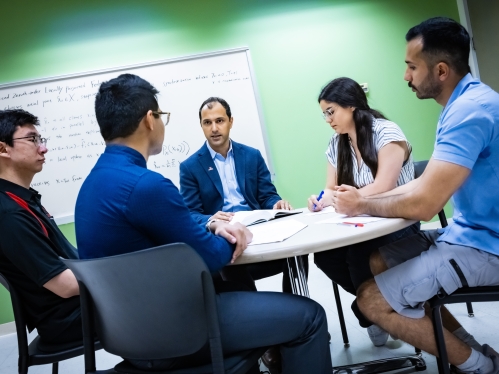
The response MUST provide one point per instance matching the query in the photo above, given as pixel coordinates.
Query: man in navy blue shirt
(124, 207)
(465, 167)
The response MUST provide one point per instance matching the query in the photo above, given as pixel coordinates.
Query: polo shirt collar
(23, 193)
(461, 87)
(131, 154)
(214, 154)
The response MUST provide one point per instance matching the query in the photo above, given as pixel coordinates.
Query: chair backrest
(20, 321)
(156, 303)
(419, 167)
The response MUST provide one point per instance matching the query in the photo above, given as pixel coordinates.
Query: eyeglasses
(36, 139)
(157, 113)
(328, 114)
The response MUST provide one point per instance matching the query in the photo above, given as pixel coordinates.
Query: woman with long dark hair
(372, 154)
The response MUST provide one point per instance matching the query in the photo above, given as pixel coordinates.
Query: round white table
(319, 237)
(322, 237)
(316, 237)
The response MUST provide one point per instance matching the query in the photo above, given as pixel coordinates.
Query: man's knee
(317, 313)
(377, 263)
(311, 315)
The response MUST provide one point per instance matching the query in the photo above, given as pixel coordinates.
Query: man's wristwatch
(210, 221)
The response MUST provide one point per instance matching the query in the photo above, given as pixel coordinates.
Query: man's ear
(443, 71)
(148, 120)
(3, 150)
(231, 121)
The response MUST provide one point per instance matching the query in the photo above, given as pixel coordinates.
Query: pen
(352, 224)
(319, 198)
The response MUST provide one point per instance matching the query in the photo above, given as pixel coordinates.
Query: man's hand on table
(236, 234)
(347, 200)
(222, 216)
(282, 204)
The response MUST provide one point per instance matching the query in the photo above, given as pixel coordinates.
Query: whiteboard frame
(69, 219)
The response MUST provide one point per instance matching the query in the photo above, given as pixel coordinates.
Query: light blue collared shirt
(233, 198)
(468, 135)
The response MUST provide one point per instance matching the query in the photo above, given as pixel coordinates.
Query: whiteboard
(65, 108)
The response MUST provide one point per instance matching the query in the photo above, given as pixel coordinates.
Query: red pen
(353, 224)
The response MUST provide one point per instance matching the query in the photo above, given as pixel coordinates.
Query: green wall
(296, 48)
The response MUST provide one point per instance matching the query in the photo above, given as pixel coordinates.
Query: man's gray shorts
(419, 267)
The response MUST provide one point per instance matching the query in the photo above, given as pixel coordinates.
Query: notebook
(252, 217)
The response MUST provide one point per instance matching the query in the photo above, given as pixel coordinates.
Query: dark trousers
(71, 337)
(349, 266)
(263, 319)
(248, 273)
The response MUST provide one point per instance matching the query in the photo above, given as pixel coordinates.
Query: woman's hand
(314, 205)
(324, 202)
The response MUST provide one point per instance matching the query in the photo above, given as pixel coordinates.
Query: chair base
(384, 365)
(237, 363)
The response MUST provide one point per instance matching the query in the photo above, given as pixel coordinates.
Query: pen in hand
(319, 198)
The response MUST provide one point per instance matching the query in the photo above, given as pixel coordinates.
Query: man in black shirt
(30, 241)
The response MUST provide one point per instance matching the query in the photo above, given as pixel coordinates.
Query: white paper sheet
(326, 210)
(277, 231)
(357, 219)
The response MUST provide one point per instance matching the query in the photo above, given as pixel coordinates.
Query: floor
(361, 349)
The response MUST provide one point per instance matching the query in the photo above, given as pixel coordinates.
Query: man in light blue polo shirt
(465, 167)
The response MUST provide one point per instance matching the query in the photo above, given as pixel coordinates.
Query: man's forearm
(402, 206)
(405, 188)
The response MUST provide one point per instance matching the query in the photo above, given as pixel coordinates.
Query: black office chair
(30, 355)
(419, 167)
(157, 303)
(462, 295)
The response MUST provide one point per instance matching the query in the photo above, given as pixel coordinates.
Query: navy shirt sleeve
(156, 208)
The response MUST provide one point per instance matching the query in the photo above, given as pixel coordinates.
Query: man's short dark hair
(444, 40)
(209, 102)
(121, 103)
(11, 119)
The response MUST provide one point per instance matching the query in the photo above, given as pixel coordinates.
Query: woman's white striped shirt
(384, 132)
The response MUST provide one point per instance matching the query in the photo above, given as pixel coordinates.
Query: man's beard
(430, 88)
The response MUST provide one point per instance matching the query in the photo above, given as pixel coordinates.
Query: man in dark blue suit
(233, 176)
(224, 177)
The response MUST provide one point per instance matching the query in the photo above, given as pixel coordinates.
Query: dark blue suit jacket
(201, 186)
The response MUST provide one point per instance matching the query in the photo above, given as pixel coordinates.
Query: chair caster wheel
(471, 315)
(346, 345)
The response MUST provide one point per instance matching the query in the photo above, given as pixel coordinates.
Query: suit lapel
(240, 162)
(210, 169)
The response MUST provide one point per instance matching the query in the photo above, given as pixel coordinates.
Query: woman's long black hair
(347, 93)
